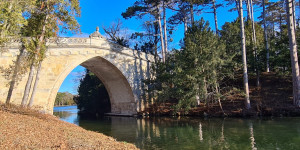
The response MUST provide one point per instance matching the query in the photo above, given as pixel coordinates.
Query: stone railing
(95, 40)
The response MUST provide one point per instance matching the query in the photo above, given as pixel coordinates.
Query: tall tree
(164, 7)
(45, 20)
(143, 8)
(243, 44)
(254, 47)
(266, 37)
(12, 20)
(182, 14)
(215, 15)
(248, 10)
(163, 48)
(193, 71)
(147, 40)
(293, 52)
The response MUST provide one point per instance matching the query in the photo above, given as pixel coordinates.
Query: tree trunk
(165, 30)
(219, 99)
(237, 6)
(280, 24)
(156, 40)
(266, 36)
(294, 13)
(198, 95)
(252, 137)
(15, 75)
(273, 25)
(299, 14)
(192, 13)
(293, 53)
(161, 37)
(37, 77)
(248, 10)
(32, 68)
(243, 44)
(215, 16)
(205, 93)
(28, 86)
(254, 45)
(185, 24)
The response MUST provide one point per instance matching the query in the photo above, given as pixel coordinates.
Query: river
(184, 133)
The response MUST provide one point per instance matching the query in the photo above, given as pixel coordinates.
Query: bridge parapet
(91, 42)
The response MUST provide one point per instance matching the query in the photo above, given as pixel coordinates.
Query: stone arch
(120, 92)
(129, 67)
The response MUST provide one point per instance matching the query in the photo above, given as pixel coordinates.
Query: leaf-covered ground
(26, 129)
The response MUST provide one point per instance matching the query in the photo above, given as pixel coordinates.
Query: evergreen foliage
(93, 99)
(230, 34)
(193, 72)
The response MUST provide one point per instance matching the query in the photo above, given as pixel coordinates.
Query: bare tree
(116, 33)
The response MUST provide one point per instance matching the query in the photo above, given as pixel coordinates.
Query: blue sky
(103, 12)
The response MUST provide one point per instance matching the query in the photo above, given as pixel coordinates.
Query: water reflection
(252, 136)
(67, 113)
(197, 133)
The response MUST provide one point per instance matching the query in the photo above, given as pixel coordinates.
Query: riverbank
(28, 129)
(274, 97)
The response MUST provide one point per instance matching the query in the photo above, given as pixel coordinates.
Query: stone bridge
(120, 69)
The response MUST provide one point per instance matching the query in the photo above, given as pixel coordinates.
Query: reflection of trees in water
(62, 114)
(191, 133)
(252, 136)
(170, 133)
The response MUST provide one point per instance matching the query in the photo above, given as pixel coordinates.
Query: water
(194, 133)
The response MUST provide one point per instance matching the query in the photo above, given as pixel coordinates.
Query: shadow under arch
(119, 90)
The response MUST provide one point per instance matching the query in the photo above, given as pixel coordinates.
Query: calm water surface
(194, 133)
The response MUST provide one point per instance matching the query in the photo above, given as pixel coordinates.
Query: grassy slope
(26, 129)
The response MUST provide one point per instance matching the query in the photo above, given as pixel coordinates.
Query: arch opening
(122, 101)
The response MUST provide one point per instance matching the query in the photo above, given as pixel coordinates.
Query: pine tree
(143, 8)
(243, 44)
(293, 52)
(93, 98)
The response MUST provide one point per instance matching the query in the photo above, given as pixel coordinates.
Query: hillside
(26, 129)
(273, 98)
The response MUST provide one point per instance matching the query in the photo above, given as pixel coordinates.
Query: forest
(214, 66)
(210, 66)
(64, 99)
(248, 65)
